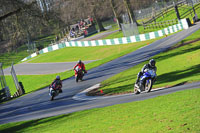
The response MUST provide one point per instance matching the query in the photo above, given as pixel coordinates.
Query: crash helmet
(58, 77)
(79, 61)
(152, 63)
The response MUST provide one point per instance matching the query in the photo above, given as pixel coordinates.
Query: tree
(95, 6)
(23, 21)
(117, 16)
(130, 11)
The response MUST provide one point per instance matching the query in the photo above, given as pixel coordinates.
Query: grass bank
(179, 65)
(177, 112)
(102, 53)
(185, 12)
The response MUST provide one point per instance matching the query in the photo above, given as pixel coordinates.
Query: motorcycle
(53, 93)
(80, 74)
(145, 82)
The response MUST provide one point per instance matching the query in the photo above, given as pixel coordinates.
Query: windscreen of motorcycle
(152, 73)
(77, 68)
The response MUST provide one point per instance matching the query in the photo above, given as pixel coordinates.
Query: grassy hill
(185, 12)
(177, 112)
(176, 66)
(102, 54)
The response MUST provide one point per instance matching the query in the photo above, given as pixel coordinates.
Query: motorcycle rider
(151, 66)
(81, 65)
(57, 84)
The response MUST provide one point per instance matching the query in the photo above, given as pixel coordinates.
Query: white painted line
(79, 43)
(67, 44)
(86, 43)
(160, 33)
(116, 41)
(108, 42)
(100, 43)
(142, 37)
(152, 35)
(124, 40)
(73, 43)
(55, 47)
(82, 95)
(45, 50)
(133, 39)
(33, 55)
(93, 43)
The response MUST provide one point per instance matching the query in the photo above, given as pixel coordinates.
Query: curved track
(37, 105)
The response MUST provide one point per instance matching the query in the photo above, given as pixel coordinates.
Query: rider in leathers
(57, 84)
(81, 65)
(150, 65)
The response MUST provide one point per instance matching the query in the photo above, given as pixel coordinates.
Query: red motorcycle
(79, 74)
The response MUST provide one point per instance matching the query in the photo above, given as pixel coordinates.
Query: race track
(37, 105)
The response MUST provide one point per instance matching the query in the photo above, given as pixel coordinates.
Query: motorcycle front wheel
(77, 79)
(52, 96)
(148, 85)
(136, 91)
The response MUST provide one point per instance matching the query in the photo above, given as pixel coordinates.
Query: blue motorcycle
(146, 82)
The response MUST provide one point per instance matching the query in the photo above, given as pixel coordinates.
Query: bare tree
(117, 16)
(130, 11)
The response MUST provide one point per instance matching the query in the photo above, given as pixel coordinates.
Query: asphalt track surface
(50, 68)
(38, 105)
(42, 68)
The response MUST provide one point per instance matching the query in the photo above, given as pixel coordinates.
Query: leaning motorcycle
(80, 74)
(146, 82)
(53, 93)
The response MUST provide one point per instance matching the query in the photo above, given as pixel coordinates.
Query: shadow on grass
(126, 78)
(119, 89)
(178, 53)
(167, 77)
(177, 75)
(31, 123)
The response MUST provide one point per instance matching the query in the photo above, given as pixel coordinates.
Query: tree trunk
(130, 11)
(99, 23)
(1, 31)
(119, 20)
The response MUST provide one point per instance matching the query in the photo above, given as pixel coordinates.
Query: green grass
(87, 53)
(35, 82)
(184, 11)
(170, 15)
(102, 54)
(16, 57)
(8, 58)
(117, 34)
(45, 41)
(177, 112)
(179, 65)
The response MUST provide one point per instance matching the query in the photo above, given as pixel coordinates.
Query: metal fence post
(3, 82)
(16, 80)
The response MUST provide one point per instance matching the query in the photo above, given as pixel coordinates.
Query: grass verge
(176, 112)
(103, 53)
(177, 66)
(185, 12)
(8, 58)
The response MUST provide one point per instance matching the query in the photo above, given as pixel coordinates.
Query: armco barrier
(124, 40)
